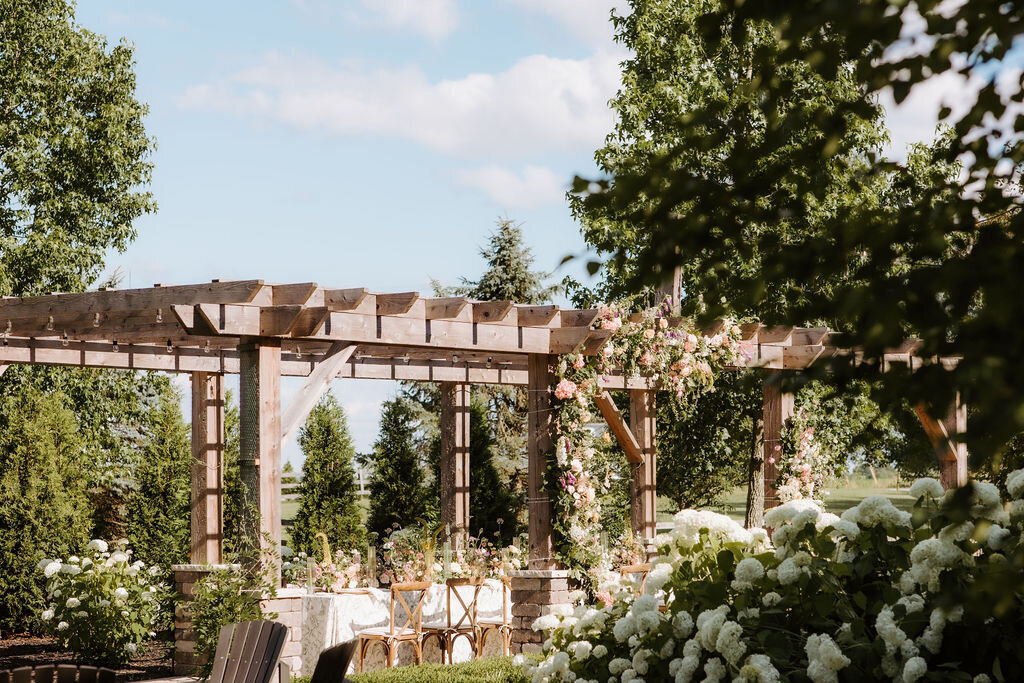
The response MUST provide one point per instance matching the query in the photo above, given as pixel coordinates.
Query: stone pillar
(535, 593)
(455, 463)
(259, 434)
(777, 408)
(644, 484)
(207, 468)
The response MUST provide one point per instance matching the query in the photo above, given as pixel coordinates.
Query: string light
(64, 339)
(207, 347)
(96, 320)
(170, 349)
(115, 346)
(298, 352)
(49, 323)
(159, 315)
(7, 331)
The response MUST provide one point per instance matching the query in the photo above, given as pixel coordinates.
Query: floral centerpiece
(877, 594)
(101, 605)
(402, 557)
(642, 345)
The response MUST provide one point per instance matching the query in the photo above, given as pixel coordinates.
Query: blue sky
(369, 143)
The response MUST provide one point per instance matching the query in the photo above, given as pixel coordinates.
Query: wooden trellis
(263, 331)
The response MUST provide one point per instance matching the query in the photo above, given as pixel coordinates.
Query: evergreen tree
(397, 492)
(158, 509)
(44, 510)
(232, 475)
(328, 488)
(509, 275)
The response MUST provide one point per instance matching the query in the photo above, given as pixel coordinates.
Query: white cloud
(538, 105)
(435, 19)
(536, 186)
(588, 19)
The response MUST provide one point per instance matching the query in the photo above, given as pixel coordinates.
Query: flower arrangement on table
(102, 606)
(404, 557)
(877, 594)
(482, 557)
(337, 571)
(644, 345)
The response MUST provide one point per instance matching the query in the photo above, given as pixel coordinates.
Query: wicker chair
(465, 626)
(394, 634)
(501, 625)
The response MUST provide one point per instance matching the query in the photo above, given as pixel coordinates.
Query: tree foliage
(73, 150)
(940, 260)
(43, 504)
(328, 488)
(159, 506)
(397, 491)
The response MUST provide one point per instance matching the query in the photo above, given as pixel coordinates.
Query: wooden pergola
(264, 331)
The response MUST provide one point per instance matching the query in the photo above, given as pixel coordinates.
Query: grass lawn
(840, 497)
(290, 507)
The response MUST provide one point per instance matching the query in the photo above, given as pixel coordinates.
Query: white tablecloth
(329, 618)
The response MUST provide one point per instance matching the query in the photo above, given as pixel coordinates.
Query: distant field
(839, 497)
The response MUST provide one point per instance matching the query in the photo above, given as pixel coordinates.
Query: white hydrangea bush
(876, 594)
(102, 605)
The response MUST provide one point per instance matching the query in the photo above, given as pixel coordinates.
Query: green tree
(43, 503)
(73, 149)
(328, 489)
(158, 509)
(940, 258)
(397, 491)
(232, 475)
(509, 275)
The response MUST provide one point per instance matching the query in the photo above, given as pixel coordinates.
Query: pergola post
(541, 434)
(207, 468)
(777, 407)
(946, 437)
(643, 486)
(260, 444)
(455, 463)
(537, 590)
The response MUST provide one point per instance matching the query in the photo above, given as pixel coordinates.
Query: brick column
(535, 592)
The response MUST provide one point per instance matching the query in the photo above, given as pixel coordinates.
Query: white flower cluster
(824, 658)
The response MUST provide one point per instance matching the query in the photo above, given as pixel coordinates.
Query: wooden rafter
(619, 428)
(316, 384)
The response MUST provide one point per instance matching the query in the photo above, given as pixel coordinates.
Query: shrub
(877, 594)
(43, 504)
(101, 606)
(228, 596)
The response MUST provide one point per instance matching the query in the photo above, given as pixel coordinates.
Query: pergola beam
(318, 382)
(626, 438)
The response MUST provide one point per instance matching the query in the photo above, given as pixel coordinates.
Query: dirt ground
(24, 650)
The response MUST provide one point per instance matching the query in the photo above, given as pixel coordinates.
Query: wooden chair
(630, 570)
(333, 663)
(249, 652)
(65, 673)
(393, 635)
(466, 624)
(501, 625)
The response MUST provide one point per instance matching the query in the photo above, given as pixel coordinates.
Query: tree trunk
(755, 480)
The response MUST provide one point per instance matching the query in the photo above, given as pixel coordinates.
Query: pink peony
(565, 389)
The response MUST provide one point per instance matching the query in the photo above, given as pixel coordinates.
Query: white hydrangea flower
(121, 592)
(890, 633)
(47, 614)
(600, 651)
(682, 624)
(926, 486)
(1015, 483)
(760, 668)
(789, 572)
(714, 670)
(72, 603)
(914, 669)
(875, 511)
(729, 642)
(824, 658)
(618, 665)
(771, 599)
(708, 624)
(748, 570)
(62, 626)
(542, 623)
(785, 513)
(97, 545)
(51, 569)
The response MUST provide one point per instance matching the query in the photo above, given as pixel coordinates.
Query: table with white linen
(332, 618)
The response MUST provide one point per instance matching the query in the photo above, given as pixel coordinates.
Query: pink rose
(565, 389)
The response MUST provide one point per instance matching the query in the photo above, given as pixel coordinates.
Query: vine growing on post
(670, 356)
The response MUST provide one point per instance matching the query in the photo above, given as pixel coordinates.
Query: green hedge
(491, 669)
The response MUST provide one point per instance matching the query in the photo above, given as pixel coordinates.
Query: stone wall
(535, 592)
(288, 605)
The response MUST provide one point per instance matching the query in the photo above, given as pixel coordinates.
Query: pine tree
(397, 493)
(508, 276)
(158, 509)
(328, 488)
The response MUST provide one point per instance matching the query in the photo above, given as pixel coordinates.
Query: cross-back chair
(636, 573)
(501, 625)
(460, 616)
(394, 634)
(63, 673)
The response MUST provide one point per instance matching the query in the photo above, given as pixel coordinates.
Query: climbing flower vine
(668, 356)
